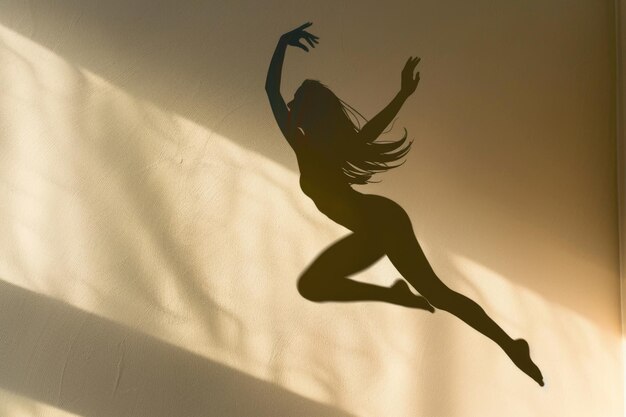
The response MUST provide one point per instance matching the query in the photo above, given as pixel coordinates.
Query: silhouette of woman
(333, 153)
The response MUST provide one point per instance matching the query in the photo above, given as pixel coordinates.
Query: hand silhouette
(293, 37)
(409, 82)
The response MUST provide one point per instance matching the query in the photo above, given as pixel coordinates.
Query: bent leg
(326, 278)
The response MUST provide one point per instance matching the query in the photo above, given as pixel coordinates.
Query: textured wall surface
(152, 228)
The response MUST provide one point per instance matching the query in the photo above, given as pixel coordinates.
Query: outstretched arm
(272, 82)
(378, 123)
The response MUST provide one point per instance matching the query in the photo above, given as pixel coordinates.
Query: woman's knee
(311, 287)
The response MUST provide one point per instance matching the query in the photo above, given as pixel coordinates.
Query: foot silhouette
(520, 355)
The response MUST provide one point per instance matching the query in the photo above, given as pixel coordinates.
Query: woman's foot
(520, 355)
(402, 295)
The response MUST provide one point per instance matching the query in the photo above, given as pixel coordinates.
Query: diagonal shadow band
(74, 360)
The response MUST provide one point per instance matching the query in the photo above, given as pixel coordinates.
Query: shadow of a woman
(333, 153)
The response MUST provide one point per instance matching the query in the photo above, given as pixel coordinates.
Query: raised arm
(272, 82)
(372, 129)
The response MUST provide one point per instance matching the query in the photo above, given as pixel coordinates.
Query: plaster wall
(153, 228)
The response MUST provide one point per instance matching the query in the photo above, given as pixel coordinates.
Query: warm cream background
(153, 229)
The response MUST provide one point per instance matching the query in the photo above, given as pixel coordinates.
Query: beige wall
(153, 228)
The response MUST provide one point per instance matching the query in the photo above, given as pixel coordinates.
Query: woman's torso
(322, 179)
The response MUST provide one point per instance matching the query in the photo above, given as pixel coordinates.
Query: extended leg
(326, 278)
(408, 257)
(405, 253)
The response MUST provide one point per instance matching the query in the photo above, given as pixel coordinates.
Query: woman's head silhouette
(319, 112)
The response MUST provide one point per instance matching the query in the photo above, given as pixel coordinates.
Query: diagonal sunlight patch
(18, 406)
(138, 215)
